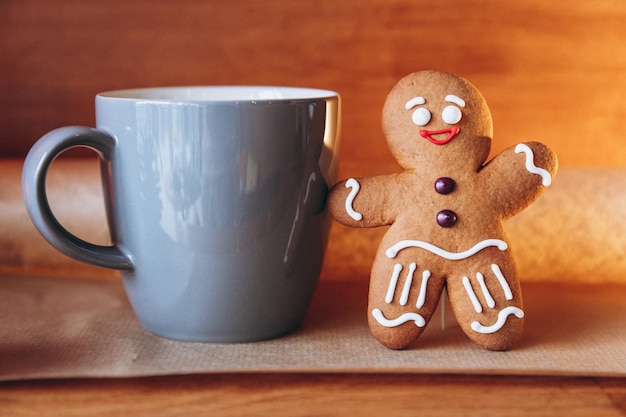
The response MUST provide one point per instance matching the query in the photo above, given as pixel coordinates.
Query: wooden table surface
(317, 395)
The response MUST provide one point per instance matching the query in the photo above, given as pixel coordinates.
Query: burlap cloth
(61, 319)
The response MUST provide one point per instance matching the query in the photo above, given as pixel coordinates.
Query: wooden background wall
(551, 70)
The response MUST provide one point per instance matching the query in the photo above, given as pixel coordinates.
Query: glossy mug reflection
(215, 199)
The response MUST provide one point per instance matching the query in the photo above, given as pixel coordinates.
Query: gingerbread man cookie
(445, 213)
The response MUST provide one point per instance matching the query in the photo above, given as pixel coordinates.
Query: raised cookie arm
(519, 175)
(360, 202)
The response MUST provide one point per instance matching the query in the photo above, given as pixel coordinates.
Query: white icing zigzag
(453, 256)
(546, 179)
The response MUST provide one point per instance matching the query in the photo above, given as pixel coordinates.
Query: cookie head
(436, 117)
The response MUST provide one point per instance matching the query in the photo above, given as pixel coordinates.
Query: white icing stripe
(407, 285)
(453, 256)
(472, 296)
(383, 321)
(422, 295)
(488, 298)
(455, 99)
(546, 179)
(356, 187)
(502, 316)
(417, 101)
(505, 286)
(392, 283)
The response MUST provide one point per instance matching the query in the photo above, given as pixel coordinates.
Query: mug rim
(219, 93)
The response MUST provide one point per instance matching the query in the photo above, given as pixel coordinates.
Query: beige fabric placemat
(569, 246)
(62, 328)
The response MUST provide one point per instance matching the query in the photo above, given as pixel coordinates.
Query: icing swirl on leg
(502, 316)
(383, 321)
(546, 179)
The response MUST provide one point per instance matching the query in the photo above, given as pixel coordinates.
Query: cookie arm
(360, 202)
(519, 175)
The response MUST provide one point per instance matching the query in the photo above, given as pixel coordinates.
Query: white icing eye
(451, 115)
(421, 116)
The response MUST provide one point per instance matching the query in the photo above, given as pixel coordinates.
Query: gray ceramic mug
(215, 199)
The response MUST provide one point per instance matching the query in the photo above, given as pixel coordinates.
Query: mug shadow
(336, 305)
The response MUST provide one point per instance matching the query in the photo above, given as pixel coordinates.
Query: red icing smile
(428, 134)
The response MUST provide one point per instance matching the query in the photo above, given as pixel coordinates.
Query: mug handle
(34, 174)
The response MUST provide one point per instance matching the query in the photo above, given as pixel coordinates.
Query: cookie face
(442, 109)
(446, 212)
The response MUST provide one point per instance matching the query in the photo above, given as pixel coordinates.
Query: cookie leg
(487, 303)
(403, 296)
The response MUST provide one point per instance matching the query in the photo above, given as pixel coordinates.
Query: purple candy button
(446, 218)
(444, 185)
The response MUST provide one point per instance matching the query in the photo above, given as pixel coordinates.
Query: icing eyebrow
(414, 102)
(455, 99)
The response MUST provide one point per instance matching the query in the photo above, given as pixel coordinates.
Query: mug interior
(220, 93)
